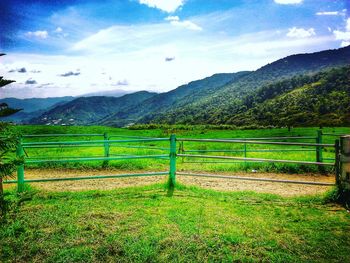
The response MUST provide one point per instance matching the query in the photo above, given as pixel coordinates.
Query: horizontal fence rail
(334, 134)
(252, 159)
(254, 150)
(99, 158)
(256, 142)
(278, 138)
(61, 135)
(93, 142)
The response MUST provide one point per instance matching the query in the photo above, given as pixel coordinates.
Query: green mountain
(231, 98)
(32, 107)
(86, 110)
(211, 100)
(305, 100)
(322, 99)
(178, 97)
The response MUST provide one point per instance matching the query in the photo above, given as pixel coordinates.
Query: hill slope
(86, 110)
(218, 99)
(32, 107)
(205, 101)
(304, 100)
(175, 98)
(324, 99)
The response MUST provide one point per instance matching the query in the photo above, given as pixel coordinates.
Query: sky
(72, 47)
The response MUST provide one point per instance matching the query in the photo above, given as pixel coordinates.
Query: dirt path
(282, 189)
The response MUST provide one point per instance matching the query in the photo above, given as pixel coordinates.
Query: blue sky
(61, 47)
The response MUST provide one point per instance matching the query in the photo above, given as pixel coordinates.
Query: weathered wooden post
(106, 148)
(20, 168)
(343, 175)
(172, 168)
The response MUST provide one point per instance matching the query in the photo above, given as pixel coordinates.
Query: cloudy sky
(72, 47)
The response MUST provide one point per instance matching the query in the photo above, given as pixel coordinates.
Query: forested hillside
(32, 107)
(219, 105)
(86, 110)
(178, 97)
(304, 100)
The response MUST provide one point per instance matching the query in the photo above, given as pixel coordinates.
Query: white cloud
(137, 53)
(172, 18)
(300, 32)
(341, 35)
(58, 30)
(328, 13)
(175, 21)
(39, 34)
(288, 2)
(164, 5)
(344, 36)
(186, 24)
(344, 43)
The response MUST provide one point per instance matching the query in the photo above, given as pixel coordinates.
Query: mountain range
(298, 90)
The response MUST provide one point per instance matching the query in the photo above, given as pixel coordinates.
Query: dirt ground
(221, 184)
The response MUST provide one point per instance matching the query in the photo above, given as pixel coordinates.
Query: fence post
(344, 171)
(20, 168)
(337, 161)
(319, 158)
(106, 148)
(182, 150)
(172, 168)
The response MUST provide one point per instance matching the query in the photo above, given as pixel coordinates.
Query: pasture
(140, 220)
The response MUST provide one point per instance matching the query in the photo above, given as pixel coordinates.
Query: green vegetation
(8, 142)
(306, 100)
(86, 110)
(194, 225)
(32, 107)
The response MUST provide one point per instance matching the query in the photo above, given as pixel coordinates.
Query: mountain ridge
(220, 97)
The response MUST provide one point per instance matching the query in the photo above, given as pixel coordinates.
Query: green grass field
(149, 224)
(146, 225)
(189, 164)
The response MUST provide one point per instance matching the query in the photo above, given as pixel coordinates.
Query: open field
(139, 220)
(144, 224)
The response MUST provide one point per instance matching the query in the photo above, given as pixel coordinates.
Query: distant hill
(32, 107)
(107, 93)
(87, 110)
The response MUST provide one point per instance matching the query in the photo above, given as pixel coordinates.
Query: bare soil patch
(220, 184)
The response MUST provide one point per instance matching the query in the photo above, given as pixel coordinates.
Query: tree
(8, 142)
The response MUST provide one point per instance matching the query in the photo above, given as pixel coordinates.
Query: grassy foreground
(144, 224)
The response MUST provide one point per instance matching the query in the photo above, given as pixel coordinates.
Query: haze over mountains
(34, 107)
(302, 90)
